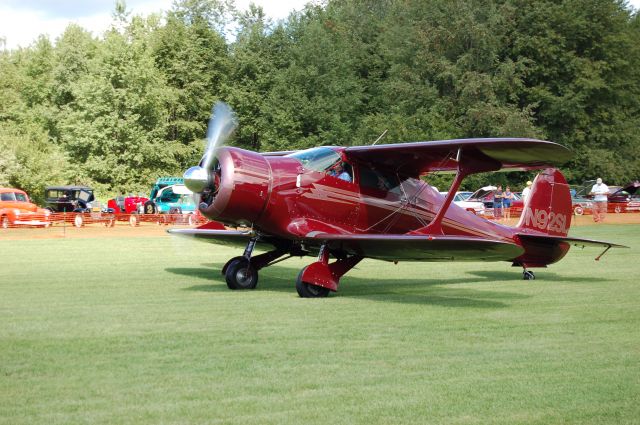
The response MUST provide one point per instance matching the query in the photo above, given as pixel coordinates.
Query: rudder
(548, 206)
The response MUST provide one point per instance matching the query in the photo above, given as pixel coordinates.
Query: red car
(623, 199)
(17, 210)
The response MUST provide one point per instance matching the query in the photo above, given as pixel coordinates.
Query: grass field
(144, 331)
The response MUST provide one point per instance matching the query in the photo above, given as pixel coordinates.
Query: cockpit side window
(316, 159)
(379, 180)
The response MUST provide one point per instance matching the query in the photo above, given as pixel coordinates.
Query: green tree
(114, 127)
(193, 58)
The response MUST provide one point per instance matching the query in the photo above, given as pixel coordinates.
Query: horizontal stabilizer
(579, 242)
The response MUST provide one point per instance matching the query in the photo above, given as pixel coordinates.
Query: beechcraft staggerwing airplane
(293, 204)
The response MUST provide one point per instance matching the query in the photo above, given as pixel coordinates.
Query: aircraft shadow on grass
(441, 291)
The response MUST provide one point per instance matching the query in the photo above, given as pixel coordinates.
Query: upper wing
(420, 248)
(418, 158)
(277, 153)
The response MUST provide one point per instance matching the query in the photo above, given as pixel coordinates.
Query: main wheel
(308, 290)
(241, 274)
(5, 222)
(528, 275)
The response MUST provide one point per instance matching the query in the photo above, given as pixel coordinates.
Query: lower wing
(236, 238)
(419, 248)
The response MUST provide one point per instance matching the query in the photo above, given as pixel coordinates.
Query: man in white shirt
(599, 191)
(526, 191)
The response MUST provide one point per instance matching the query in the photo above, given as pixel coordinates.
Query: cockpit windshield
(317, 159)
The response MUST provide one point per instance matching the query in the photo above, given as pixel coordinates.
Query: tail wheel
(578, 210)
(308, 290)
(241, 274)
(528, 275)
(78, 220)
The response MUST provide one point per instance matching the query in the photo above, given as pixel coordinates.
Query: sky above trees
(22, 21)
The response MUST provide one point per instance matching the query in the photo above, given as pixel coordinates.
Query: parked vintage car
(623, 198)
(463, 195)
(169, 195)
(80, 202)
(485, 195)
(127, 208)
(69, 198)
(17, 210)
(460, 199)
(127, 204)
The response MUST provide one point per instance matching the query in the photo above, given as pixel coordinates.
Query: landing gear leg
(242, 272)
(238, 272)
(317, 279)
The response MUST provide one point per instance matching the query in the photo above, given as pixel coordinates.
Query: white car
(475, 207)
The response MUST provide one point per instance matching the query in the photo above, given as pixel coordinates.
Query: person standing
(526, 191)
(506, 202)
(600, 191)
(497, 203)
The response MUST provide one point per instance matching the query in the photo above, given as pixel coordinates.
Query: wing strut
(466, 165)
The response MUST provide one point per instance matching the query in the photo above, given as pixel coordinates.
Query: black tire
(150, 208)
(241, 274)
(308, 290)
(528, 275)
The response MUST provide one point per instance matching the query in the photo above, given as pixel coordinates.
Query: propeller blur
(221, 126)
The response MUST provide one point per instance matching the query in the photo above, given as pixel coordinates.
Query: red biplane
(294, 204)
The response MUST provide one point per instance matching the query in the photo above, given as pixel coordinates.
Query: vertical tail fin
(548, 206)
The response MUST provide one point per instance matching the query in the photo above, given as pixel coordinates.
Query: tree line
(118, 110)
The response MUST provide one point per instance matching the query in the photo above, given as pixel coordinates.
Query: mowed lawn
(145, 331)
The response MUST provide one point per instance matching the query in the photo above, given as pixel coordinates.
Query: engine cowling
(242, 187)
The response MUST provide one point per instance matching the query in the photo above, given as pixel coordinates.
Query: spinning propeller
(221, 125)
